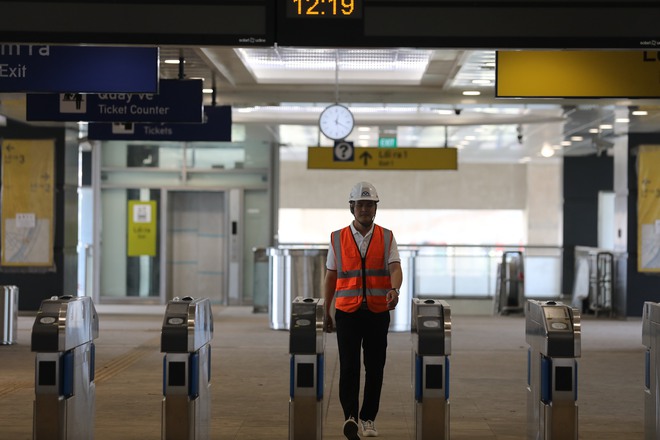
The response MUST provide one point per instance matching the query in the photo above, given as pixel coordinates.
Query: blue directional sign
(81, 69)
(216, 127)
(176, 101)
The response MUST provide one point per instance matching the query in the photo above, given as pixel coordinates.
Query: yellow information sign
(648, 209)
(372, 158)
(142, 231)
(580, 74)
(28, 169)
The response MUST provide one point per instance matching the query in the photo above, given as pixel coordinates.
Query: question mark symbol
(344, 150)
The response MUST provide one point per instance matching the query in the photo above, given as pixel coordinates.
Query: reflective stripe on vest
(350, 284)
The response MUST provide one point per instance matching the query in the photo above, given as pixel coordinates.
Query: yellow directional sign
(371, 158)
(577, 73)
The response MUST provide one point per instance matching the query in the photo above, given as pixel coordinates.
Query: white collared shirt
(363, 243)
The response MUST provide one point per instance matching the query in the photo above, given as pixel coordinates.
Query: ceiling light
(622, 120)
(207, 91)
(364, 137)
(547, 151)
(445, 112)
(481, 81)
(577, 138)
(364, 128)
(606, 127)
(565, 143)
(471, 93)
(173, 61)
(640, 113)
(594, 130)
(292, 64)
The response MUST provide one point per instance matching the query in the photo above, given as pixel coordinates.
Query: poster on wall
(648, 209)
(28, 168)
(141, 228)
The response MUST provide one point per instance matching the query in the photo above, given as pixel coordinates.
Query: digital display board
(482, 24)
(196, 22)
(323, 8)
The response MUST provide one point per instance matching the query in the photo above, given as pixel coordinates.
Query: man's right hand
(328, 325)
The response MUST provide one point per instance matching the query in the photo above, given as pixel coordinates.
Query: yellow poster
(142, 228)
(28, 168)
(648, 209)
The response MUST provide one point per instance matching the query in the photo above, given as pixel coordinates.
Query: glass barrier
(428, 272)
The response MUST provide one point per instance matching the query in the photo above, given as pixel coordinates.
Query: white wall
(473, 186)
(531, 188)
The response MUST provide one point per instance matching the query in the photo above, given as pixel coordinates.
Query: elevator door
(197, 245)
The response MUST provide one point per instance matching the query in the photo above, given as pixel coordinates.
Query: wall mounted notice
(648, 209)
(142, 231)
(28, 170)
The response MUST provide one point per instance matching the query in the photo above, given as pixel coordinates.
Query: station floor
(250, 382)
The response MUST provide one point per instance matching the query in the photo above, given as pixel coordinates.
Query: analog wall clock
(336, 122)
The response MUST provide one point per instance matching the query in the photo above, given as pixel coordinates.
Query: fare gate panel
(65, 392)
(651, 339)
(186, 337)
(306, 347)
(552, 331)
(431, 340)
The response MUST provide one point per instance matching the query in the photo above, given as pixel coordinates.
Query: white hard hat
(363, 191)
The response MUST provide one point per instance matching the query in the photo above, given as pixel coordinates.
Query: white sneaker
(351, 429)
(368, 428)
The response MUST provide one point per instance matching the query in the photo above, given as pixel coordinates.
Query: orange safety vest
(359, 277)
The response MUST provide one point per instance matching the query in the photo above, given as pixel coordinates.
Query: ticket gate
(306, 346)
(186, 341)
(431, 340)
(65, 392)
(510, 287)
(552, 331)
(8, 314)
(650, 339)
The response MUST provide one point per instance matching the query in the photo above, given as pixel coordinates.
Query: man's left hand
(392, 299)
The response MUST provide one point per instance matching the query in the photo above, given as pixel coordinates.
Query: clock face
(336, 122)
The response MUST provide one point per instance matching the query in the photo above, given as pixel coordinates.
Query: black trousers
(361, 330)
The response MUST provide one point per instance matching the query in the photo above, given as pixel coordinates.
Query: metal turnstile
(510, 287)
(186, 341)
(306, 346)
(650, 339)
(65, 392)
(431, 340)
(8, 314)
(552, 331)
(601, 283)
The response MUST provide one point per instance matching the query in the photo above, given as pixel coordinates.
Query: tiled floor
(250, 382)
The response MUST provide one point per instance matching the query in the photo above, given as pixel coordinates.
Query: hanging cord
(181, 62)
(336, 76)
(213, 100)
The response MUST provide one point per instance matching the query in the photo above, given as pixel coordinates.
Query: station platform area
(250, 379)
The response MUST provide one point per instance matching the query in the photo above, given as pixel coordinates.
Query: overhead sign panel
(193, 22)
(216, 127)
(176, 101)
(467, 23)
(372, 158)
(84, 69)
(578, 74)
